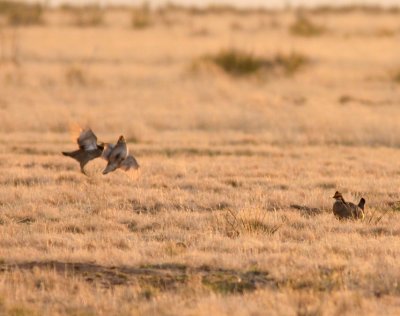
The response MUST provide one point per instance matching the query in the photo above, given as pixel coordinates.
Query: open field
(231, 210)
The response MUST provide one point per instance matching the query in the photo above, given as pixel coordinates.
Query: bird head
(121, 139)
(338, 196)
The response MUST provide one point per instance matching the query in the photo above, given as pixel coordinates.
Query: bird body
(118, 156)
(88, 149)
(347, 210)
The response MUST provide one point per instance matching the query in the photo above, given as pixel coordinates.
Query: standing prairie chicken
(88, 148)
(347, 210)
(118, 156)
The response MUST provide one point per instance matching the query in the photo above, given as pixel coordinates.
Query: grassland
(231, 210)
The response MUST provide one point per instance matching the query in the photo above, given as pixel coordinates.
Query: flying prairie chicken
(347, 210)
(118, 157)
(88, 148)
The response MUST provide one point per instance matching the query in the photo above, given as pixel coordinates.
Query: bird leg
(83, 170)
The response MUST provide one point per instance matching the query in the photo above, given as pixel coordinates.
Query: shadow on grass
(154, 278)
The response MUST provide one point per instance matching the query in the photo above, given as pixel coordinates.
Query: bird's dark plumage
(88, 148)
(347, 210)
(118, 157)
(361, 204)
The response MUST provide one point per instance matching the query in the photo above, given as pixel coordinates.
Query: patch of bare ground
(162, 277)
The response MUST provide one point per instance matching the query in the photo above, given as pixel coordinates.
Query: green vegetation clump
(239, 63)
(303, 26)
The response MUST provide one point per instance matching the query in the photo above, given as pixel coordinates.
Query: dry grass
(396, 77)
(86, 16)
(231, 210)
(10, 46)
(141, 17)
(75, 75)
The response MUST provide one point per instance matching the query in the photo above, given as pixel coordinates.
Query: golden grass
(396, 77)
(230, 212)
(141, 17)
(86, 16)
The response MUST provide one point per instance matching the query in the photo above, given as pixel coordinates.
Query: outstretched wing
(87, 140)
(111, 166)
(108, 148)
(129, 163)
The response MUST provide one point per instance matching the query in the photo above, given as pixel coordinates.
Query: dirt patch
(348, 99)
(306, 210)
(163, 277)
(228, 282)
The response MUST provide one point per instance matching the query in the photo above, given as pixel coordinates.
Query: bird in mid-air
(118, 156)
(88, 148)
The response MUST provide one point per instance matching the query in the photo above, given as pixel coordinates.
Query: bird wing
(118, 153)
(108, 148)
(111, 166)
(129, 163)
(356, 211)
(341, 209)
(87, 140)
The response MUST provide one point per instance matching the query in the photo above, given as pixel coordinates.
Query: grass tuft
(88, 16)
(76, 76)
(252, 221)
(291, 63)
(303, 26)
(239, 63)
(141, 17)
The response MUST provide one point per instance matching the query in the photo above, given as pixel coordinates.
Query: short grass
(230, 213)
(86, 16)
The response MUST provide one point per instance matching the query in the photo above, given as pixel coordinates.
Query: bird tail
(73, 154)
(68, 154)
(361, 204)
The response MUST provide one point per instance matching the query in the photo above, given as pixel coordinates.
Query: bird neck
(340, 199)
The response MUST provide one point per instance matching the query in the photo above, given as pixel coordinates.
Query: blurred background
(237, 3)
(202, 72)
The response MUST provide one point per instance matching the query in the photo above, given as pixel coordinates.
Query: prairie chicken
(88, 149)
(347, 210)
(118, 157)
